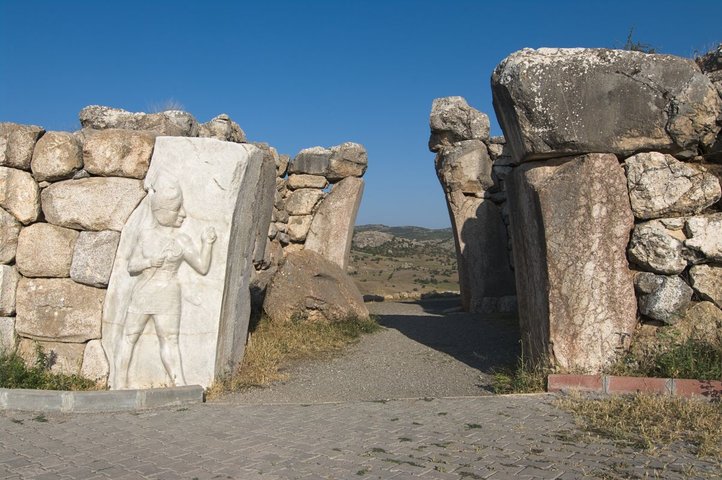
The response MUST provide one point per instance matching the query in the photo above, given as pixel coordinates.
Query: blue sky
(301, 73)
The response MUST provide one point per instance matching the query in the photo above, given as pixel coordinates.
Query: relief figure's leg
(134, 326)
(167, 327)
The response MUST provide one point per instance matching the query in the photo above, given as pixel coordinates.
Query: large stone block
(347, 160)
(707, 282)
(170, 122)
(453, 120)
(660, 185)
(19, 194)
(556, 101)
(45, 250)
(331, 231)
(661, 297)
(182, 269)
(301, 180)
(311, 161)
(570, 222)
(58, 309)
(705, 235)
(57, 155)
(298, 226)
(8, 338)
(656, 249)
(222, 128)
(303, 201)
(464, 167)
(9, 232)
(8, 285)
(118, 153)
(63, 358)
(92, 203)
(309, 287)
(95, 364)
(17, 143)
(93, 257)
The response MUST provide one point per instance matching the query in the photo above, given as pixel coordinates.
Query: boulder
(8, 339)
(17, 143)
(95, 365)
(19, 194)
(331, 231)
(301, 180)
(92, 260)
(8, 285)
(58, 309)
(222, 128)
(453, 120)
(92, 203)
(303, 201)
(661, 297)
(564, 101)
(311, 161)
(170, 122)
(464, 167)
(118, 153)
(570, 222)
(62, 358)
(45, 250)
(57, 155)
(707, 282)
(705, 235)
(347, 160)
(656, 249)
(9, 231)
(212, 196)
(309, 287)
(702, 321)
(298, 226)
(660, 185)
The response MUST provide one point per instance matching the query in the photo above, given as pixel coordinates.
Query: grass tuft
(272, 346)
(15, 373)
(526, 377)
(651, 421)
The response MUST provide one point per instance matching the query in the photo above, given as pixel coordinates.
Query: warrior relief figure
(156, 295)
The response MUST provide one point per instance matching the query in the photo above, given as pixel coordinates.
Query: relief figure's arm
(139, 262)
(200, 261)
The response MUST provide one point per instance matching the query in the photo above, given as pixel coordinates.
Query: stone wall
(613, 195)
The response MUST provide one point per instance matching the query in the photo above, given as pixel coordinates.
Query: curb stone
(100, 401)
(611, 384)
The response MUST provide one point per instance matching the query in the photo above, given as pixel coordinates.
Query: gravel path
(421, 352)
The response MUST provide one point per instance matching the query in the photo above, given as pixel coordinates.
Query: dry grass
(651, 421)
(272, 347)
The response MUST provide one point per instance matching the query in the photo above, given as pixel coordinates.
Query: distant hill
(409, 232)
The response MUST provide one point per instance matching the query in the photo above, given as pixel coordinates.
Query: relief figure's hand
(156, 262)
(209, 235)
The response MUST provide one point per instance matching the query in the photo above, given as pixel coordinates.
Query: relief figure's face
(170, 217)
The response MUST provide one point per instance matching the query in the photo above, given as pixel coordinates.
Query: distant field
(393, 260)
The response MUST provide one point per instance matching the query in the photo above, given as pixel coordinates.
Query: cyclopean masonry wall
(69, 199)
(608, 150)
(470, 167)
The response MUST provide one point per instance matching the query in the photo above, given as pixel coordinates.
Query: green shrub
(14, 373)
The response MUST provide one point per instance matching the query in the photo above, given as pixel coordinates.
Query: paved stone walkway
(455, 438)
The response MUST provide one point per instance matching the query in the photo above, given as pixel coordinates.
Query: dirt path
(422, 352)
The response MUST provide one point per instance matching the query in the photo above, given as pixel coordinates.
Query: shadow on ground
(483, 342)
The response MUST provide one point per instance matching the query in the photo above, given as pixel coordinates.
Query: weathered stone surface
(9, 231)
(660, 185)
(311, 161)
(303, 201)
(64, 358)
(45, 250)
(222, 128)
(309, 287)
(184, 262)
(92, 203)
(453, 120)
(662, 297)
(19, 194)
(655, 249)
(282, 165)
(347, 160)
(298, 226)
(702, 321)
(707, 282)
(331, 232)
(705, 235)
(8, 339)
(57, 155)
(464, 167)
(58, 309)
(556, 101)
(170, 122)
(711, 62)
(95, 365)
(93, 256)
(8, 284)
(17, 143)
(301, 180)
(570, 222)
(118, 153)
